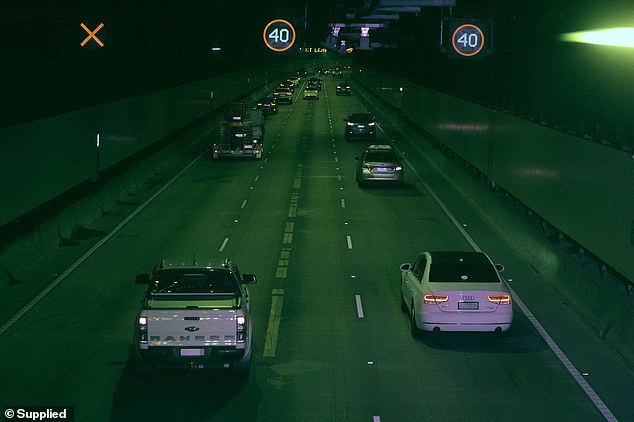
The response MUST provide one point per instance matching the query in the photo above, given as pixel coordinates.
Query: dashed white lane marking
(256, 178)
(92, 250)
(565, 361)
(244, 204)
(343, 203)
(376, 419)
(224, 244)
(357, 299)
(349, 240)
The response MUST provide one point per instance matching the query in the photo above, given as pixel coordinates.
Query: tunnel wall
(584, 189)
(42, 159)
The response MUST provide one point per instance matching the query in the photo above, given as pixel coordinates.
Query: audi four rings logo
(191, 329)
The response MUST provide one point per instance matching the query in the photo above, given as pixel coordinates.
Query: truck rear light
(241, 329)
(142, 329)
(500, 299)
(435, 299)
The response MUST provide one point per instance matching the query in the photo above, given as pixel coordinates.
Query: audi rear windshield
(461, 267)
(381, 157)
(360, 118)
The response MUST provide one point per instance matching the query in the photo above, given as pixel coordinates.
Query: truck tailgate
(191, 327)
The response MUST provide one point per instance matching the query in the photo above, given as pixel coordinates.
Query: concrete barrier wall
(584, 189)
(42, 159)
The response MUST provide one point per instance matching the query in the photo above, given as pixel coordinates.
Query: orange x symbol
(92, 35)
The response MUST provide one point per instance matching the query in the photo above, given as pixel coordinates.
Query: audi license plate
(192, 352)
(471, 306)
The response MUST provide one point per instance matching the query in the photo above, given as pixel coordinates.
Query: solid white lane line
(91, 251)
(244, 203)
(357, 299)
(565, 361)
(349, 240)
(598, 402)
(224, 243)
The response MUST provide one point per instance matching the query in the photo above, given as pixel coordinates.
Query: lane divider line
(244, 204)
(349, 240)
(343, 203)
(92, 250)
(357, 299)
(224, 243)
(561, 356)
(273, 328)
(287, 239)
(598, 402)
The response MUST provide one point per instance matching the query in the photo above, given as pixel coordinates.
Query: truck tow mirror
(249, 279)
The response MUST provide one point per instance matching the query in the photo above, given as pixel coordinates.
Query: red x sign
(91, 34)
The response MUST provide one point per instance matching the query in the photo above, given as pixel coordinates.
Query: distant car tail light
(435, 299)
(241, 328)
(142, 329)
(500, 299)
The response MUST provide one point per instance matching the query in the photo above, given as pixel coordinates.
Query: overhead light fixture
(613, 37)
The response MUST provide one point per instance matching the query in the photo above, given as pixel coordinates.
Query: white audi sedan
(455, 291)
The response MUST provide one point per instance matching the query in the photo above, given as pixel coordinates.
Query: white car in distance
(455, 291)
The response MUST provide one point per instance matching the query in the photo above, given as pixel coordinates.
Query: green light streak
(614, 37)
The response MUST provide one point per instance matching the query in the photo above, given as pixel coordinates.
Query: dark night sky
(153, 44)
(149, 45)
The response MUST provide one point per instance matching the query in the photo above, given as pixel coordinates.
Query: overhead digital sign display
(279, 35)
(468, 39)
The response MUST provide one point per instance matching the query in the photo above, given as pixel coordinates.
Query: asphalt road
(331, 343)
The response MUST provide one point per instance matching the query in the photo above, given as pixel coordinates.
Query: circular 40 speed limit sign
(467, 40)
(279, 35)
